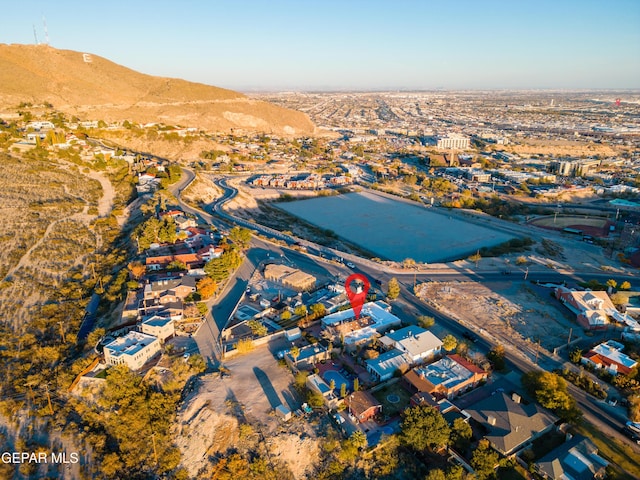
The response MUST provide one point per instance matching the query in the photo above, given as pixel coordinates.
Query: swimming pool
(338, 378)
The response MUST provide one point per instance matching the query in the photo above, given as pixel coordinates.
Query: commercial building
(453, 141)
(133, 349)
(289, 277)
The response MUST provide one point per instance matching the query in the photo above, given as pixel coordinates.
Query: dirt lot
(521, 313)
(208, 422)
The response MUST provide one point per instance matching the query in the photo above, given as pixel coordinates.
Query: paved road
(599, 414)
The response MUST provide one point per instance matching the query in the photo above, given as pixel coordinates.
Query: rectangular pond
(396, 230)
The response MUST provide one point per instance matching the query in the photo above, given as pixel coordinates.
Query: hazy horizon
(407, 45)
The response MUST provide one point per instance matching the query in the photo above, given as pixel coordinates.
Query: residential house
(608, 355)
(419, 344)
(592, 308)
(161, 327)
(510, 424)
(576, 459)
(170, 289)
(375, 317)
(316, 384)
(386, 365)
(446, 377)
(362, 405)
(160, 262)
(133, 349)
(308, 356)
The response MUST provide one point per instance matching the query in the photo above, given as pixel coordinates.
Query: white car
(350, 265)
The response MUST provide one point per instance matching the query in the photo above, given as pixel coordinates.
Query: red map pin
(358, 294)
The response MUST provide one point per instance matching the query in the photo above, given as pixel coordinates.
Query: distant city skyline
(350, 45)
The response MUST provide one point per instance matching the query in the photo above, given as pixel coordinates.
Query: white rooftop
(379, 315)
(612, 351)
(415, 340)
(130, 344)
(446, 372)
(388, 362)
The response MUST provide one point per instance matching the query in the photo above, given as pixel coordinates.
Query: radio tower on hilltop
(46, 32)
(35, 35)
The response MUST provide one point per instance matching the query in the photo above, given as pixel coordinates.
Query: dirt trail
(105, 204)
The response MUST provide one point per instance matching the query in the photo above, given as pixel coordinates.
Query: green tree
(575, 355)
(461, 434)
(240, 236)
(356, 384)
(295, 353)
(257, 328)
(550, 391)
(484, 461)
(449, 343)
(318, 310)
(611, 284)
(436, 474)
(300, 310)
(286, 315)
(625, 285)
(343, 390)
(475, 258)
(94, 336)
(426, 321)
(496, 357)
(424, 426)
(358, 439)
(220, 268)
(393, 289)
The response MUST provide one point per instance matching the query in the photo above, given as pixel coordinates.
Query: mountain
(95, 88)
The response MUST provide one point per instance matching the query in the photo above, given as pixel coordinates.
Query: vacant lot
(521, 313)
(209, 421)
(395, 230)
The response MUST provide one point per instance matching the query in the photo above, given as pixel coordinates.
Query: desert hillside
(95, 88)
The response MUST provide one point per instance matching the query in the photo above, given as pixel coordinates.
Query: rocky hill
(95, 88)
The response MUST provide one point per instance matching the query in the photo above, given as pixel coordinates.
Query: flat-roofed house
(419, 344)
(386, 365)
(133, 349)
(446, 377)
(161, 327)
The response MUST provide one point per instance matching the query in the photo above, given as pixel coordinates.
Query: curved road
(605, 418)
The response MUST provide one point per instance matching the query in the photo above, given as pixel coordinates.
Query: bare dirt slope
(94, 87)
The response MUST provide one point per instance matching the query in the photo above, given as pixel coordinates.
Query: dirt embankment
(559, 148)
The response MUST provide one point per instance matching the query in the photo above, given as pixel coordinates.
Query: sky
(277, 45)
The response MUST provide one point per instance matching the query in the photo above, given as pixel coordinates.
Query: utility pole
(62, 331)
(569, 339)
(155, 452)
(49, 399)
(537, 350)
(526, 273)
